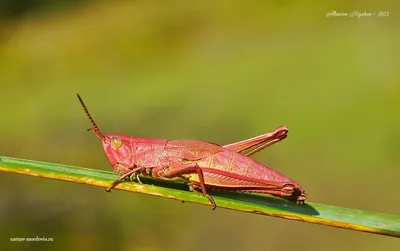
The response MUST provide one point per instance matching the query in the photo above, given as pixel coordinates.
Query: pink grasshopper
(201, 164)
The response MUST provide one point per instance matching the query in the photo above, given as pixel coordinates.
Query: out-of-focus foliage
(10, 9)
(219, 71)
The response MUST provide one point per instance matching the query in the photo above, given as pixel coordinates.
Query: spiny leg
(194, 188)
(124, 176)
(287, 191)
(135, 177)
(263, 146)
(265, 140)
(191, 168)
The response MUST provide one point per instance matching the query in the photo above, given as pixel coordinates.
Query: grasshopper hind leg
(191, 168)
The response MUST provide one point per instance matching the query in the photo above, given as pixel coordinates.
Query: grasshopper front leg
(123, 168)
(124, 176)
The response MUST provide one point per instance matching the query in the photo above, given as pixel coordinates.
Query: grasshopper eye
(116, 142)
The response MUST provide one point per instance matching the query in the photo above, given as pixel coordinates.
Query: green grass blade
(377, 223)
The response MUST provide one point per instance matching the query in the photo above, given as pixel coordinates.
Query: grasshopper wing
(191, 149)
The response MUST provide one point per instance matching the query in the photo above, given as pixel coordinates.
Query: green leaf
(377, 223)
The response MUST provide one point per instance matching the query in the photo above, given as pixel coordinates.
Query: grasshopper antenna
(95, 128)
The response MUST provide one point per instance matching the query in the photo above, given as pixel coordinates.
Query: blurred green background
(219, 71)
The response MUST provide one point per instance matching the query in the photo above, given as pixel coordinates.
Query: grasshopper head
(118, 150)
(116, 147)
